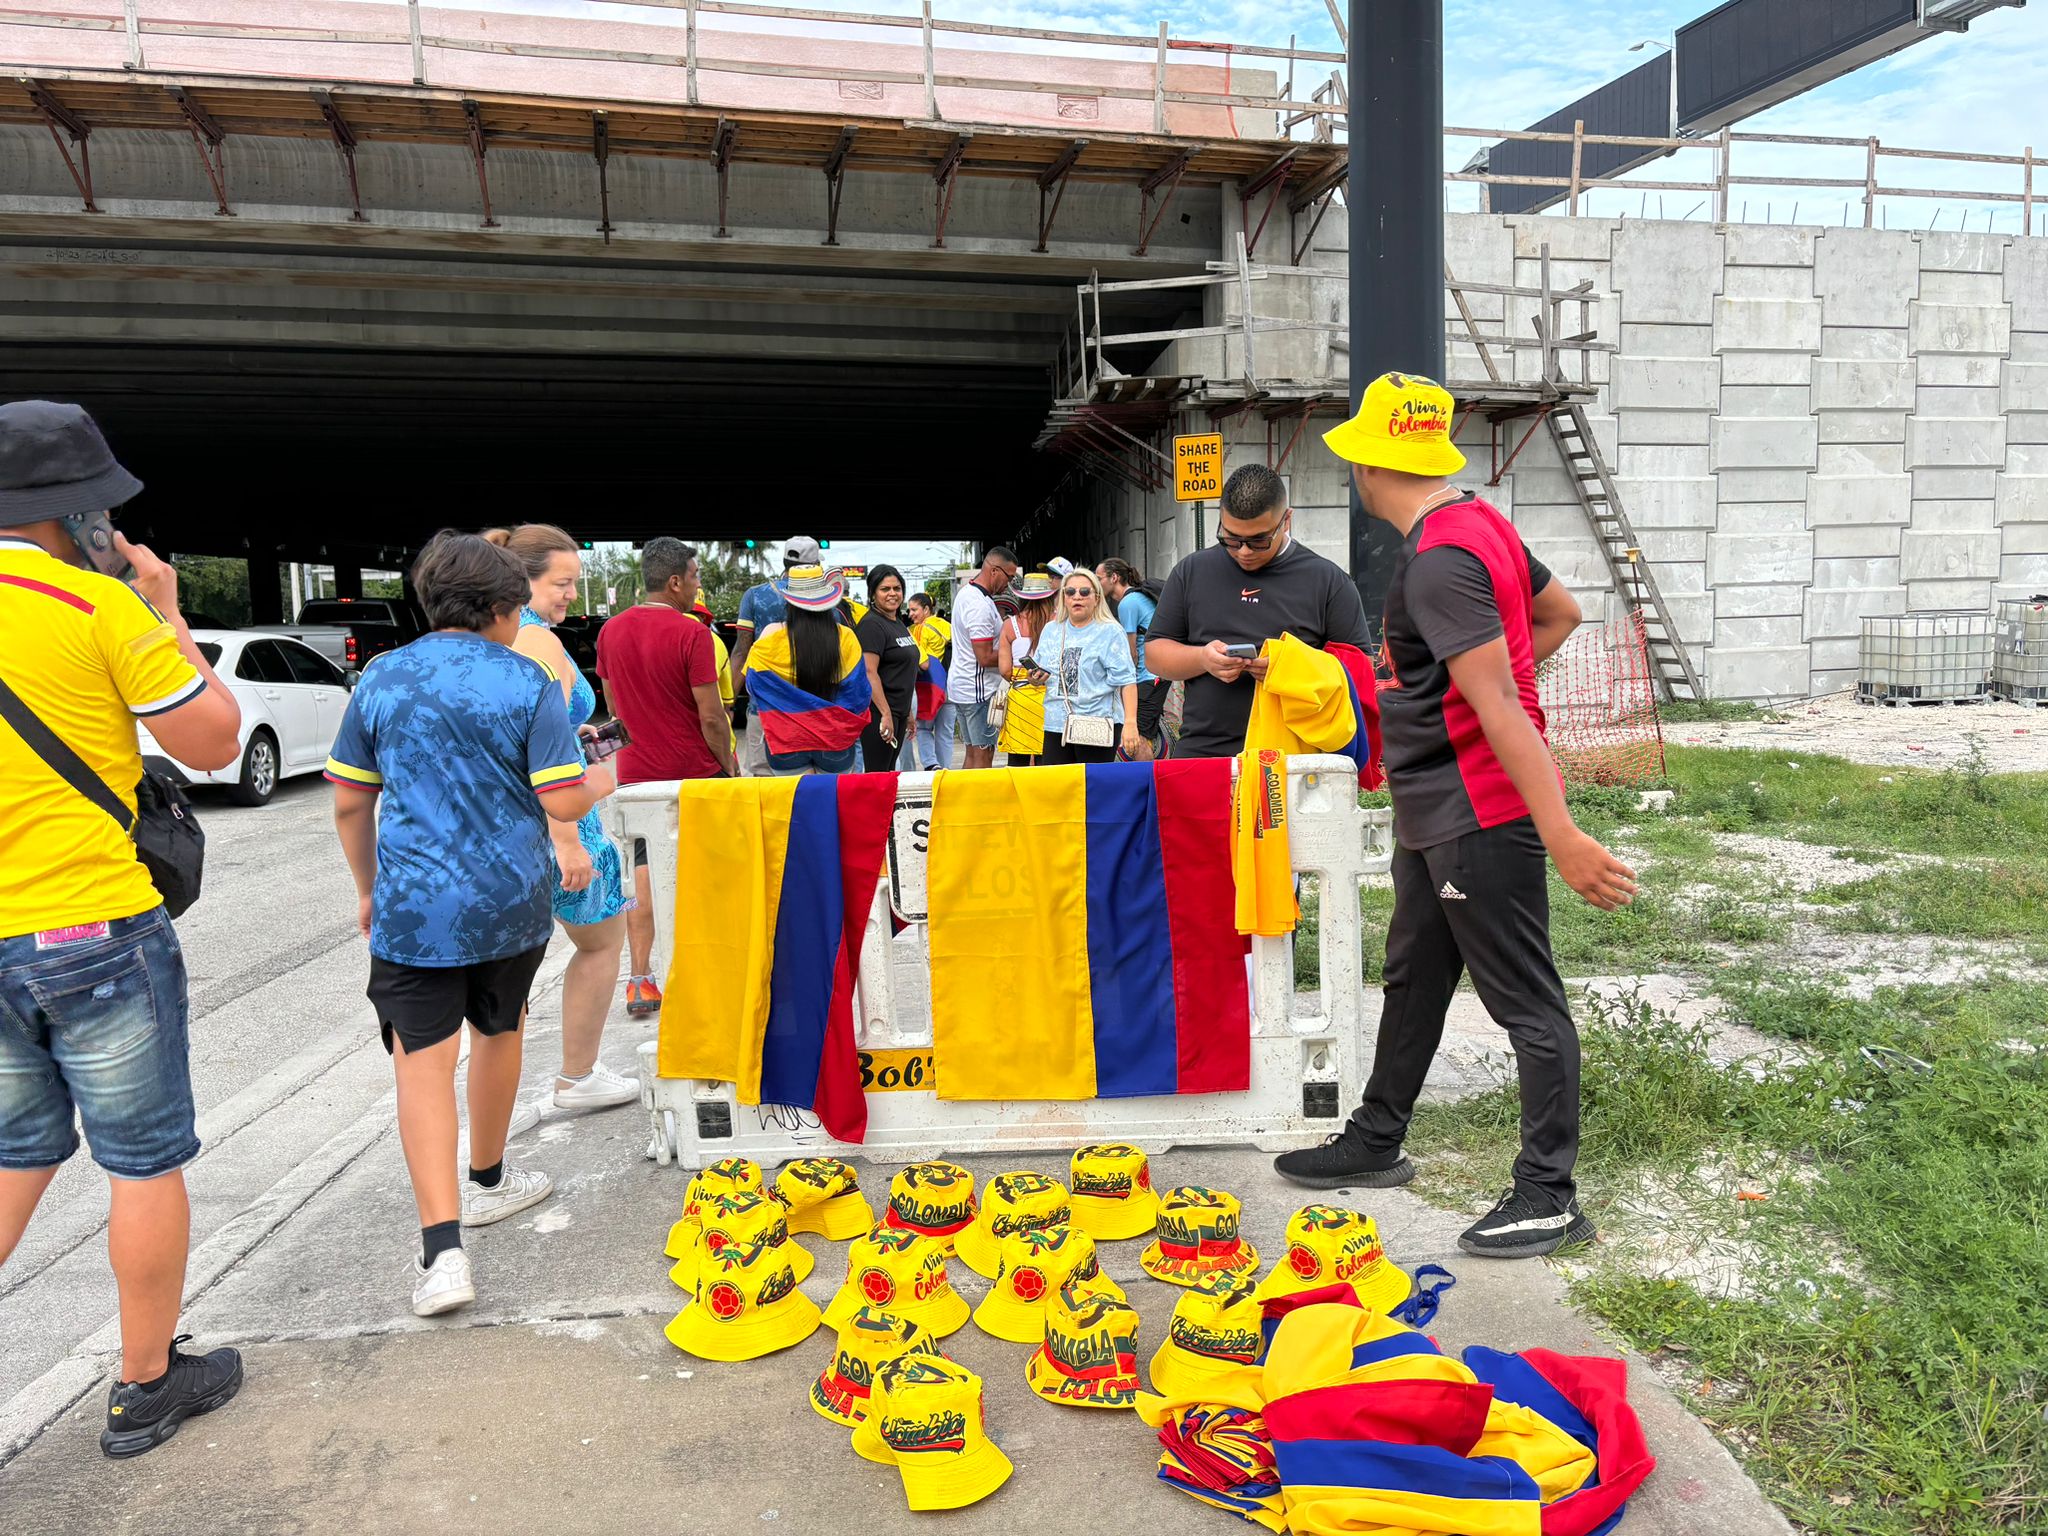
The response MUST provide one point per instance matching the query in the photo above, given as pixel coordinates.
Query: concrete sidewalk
(556, 1405)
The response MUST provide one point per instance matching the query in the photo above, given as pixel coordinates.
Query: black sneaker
(141, 1418)
(1344, 1161)
(1523, 1226)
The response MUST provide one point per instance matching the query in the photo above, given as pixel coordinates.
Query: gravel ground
(2014, 736)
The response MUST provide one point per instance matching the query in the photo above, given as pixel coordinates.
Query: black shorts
(424, 1005)
(1151, 705)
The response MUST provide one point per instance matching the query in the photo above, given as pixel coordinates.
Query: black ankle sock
(152, 1384)
(488, 1177)
(438, 1239)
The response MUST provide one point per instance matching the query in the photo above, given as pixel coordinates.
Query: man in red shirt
(661, 679)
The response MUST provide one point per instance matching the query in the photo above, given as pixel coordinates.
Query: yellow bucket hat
(1010, 1202)
(902, 1273)
(868, 1340)
(933, 1199)
(747, 1305)
(925, 1418)
(1198, 1236)
(742, 1220)
(1327, 1245)
(727, 1176)
(1090, 1355)
(1113, 1197)
(1215, 1329)
(1404, 423)
(1036, 1264)
(823, 1196)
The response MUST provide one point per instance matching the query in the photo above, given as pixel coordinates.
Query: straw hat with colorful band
(1112, 1192)
(867, 1341)
(810, 586)
(729, 1175)
(934, 1199)
(1010, 1202)
(823, 1196)
(1090, 1355)
(747, 1305)
(1214, 1330)
(926, 1419)
(1197, 1236)
(1404, 423)
(1326, 1243)
(1036, 1265)
(903, 1273)
(1034, 585)
(742, 1220)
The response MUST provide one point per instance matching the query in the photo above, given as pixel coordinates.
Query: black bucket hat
(54, 463)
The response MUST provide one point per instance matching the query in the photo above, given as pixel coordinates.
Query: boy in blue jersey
(470, 748)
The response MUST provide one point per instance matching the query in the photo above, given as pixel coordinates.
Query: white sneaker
(518, 1189)
(442, 1286)
(601, 1089)
(524, 1118)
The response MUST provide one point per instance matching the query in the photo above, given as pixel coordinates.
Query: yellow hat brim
(954, 1482)
(1001, 1315)
(977, 1249)
(1046, 1380)
(837, 1220)
(1188, 1271)
(682, 1238)
(1114, 1221)
(1177, 1373)
(1350, 441)
(1382, 1293)
(940, 1317)
(789, 1321)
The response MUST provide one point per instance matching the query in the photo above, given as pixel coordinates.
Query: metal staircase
(1634, 581)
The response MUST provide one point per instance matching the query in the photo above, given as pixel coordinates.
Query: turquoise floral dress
(605, 896)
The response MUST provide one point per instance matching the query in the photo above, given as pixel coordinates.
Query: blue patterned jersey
(462, 735)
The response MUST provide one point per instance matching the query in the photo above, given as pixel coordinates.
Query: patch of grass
(1900, 1388)
(1707, 711)
(2001, 900)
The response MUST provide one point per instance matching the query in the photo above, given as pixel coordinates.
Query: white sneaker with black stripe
(1522, 1226)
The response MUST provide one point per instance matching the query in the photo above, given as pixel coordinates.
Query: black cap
(54, 463)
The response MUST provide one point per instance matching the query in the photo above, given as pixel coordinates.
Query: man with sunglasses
(1254, 585)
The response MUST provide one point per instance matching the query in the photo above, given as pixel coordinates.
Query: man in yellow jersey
(92, 983)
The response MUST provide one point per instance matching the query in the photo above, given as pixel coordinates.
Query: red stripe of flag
(1212, 1000)
(867, 806)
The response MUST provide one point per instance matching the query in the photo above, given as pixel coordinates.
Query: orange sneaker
(643, 996)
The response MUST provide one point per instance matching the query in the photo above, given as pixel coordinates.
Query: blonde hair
(1103, 614)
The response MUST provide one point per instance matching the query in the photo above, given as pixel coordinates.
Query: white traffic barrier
(1305, 1046)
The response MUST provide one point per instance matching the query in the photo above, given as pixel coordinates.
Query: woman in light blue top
(1085, 663)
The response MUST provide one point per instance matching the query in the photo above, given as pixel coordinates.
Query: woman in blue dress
(590, 902)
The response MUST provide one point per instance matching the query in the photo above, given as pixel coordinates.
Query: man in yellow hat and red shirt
(1478, 803)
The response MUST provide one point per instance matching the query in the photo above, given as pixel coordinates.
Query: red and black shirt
(1462, 578)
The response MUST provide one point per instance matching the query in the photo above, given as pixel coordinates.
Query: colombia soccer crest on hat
(1035, 1265)
(747, 1305)
(934, 1199)
(1404, 423)
(746, 1219)
(1090, 1355)
(1112, 1192)
(1198, 1236)
(823, 1196)
(925, 1418)
(1010, 1202)
(729, 1176)
(1214, 1330)
(900, 1272)
(868, 1340)
(1328, 1245)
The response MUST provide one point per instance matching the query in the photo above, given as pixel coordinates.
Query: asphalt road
(281, 1048)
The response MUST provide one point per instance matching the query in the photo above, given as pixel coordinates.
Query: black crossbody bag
(169, 842)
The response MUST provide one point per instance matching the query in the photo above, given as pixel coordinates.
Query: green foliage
(214, 587)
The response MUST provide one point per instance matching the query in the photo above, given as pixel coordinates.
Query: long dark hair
(814, 647)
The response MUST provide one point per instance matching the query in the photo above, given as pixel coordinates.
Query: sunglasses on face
(1255, 541)
(1080, 592)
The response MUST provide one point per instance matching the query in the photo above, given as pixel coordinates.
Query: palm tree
(738, 553)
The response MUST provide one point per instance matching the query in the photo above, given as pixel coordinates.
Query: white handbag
(1083, 730)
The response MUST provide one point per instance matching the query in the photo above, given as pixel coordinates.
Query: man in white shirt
(976, 625)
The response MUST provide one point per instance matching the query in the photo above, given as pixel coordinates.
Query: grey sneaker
(517, 1190)
(442, 1286)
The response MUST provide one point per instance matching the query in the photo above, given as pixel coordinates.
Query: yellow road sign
(1198, 467)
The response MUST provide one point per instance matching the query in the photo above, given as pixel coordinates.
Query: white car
(292, 702)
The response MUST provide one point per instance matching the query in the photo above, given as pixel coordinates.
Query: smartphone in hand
(1242, 652)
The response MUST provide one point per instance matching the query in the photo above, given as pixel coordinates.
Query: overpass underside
(314, 340)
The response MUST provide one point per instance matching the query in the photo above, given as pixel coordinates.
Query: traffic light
(753, 543)
(588, 544)
(824, 543)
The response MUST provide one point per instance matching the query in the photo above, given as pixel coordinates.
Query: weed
(2000, 900)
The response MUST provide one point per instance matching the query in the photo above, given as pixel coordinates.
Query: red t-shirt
(651, 658)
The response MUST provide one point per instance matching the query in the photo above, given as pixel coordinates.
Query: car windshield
(340, 611)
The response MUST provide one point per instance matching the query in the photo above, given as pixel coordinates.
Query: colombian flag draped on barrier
(1114, 879)
(795, 721)
(760, 991)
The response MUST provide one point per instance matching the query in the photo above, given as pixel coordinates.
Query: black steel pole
(1395, 199)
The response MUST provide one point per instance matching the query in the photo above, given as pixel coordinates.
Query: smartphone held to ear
(93, 533)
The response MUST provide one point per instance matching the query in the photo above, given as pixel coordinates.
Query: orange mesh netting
(1600, 699)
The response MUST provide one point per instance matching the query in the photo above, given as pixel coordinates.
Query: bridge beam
(835, 181)
(721, 159)
(210, 139)
(1054, 180)
(345, 146)
(57, 116)
(1168, 177)
(474, 116)
(601, 151)
(945, 182)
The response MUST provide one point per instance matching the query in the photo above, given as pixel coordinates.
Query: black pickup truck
(349, 631)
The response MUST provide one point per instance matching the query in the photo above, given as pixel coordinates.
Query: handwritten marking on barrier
(908, 1071)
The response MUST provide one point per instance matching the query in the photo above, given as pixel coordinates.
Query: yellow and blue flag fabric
(1083, 943)
(793, 720)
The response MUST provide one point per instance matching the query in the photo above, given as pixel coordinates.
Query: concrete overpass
(337, 274)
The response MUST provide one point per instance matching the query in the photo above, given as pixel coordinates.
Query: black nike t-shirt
(1209, 597)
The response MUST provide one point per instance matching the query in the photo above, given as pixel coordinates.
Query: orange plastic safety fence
(1600, 700)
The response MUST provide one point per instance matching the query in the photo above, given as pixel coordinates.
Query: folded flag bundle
(1119, 874)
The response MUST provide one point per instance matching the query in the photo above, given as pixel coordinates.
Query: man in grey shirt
(976, 666)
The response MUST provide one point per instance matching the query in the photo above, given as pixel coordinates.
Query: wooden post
(419, 52)
(931, 88)
(1159, 85)
(690, 51)
(1546, 317)
(2027, 190)
(1870, 184)
(133, 24)
(1721, 182)
(1578, 157)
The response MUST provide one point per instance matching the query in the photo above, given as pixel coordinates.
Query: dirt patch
(2014, 737)
(1804, 868)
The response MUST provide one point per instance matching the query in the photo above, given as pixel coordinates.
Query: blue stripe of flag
(1130, 949)
(1392, 1347)
(807, 937)
(1389, 1468)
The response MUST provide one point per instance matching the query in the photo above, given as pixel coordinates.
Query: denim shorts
(974, 725)
(97, 1025)
(790, 764)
